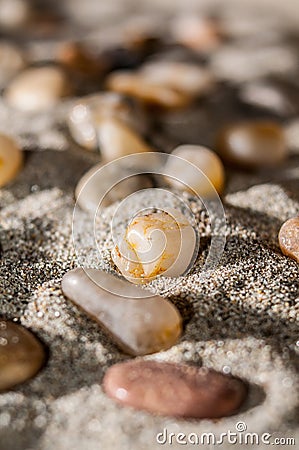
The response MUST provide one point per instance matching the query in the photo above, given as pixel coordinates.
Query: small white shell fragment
(116, 139)
(37, 89)
(158, 243)
(11, 61)
(185, 177)
(11, 158)
(138, 325)
(186, 78)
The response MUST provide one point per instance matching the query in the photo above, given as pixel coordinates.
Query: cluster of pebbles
(214, 91)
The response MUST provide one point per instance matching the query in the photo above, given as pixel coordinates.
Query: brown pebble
(77, 58)
(289, 238)
(175, 390)
(252, 144)
(21, 355)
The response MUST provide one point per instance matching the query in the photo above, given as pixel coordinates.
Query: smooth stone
(14, 13)
(89, 111)
(176, 390)
(291, 131)
(11, 159)
(77, 58)
(89, 188)
(204, 159)
(157, 243)
(11, 61)
(21, 355)
(147, 91)
(252, 144)
(116, 139)
(289, 238)
(37, 89)
(139, 326)
(188, 79)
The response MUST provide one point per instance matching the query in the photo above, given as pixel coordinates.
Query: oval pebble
(11, 61)
(37, 89)
(176, 390)
(252, 144)
(139, 326)
(11, 158)
(14, 13)
(21, 355)
(289, 238)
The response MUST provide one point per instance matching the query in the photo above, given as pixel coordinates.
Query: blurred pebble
(11, 158)
(78, 58)
(14, 13)
(21, 355)
(37, 88)
(11, 61)
(289, 238)
(292, 136)
(177, 390)
(252, 144)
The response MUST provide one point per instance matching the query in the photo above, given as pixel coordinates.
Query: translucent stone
(289, 238)
(186, 78)
(116, 140)
(11, 61)
(147, 91)
(157, 243)
(11, 158)
(37, 88)
(177, 390)
(206, 160)
(21, 355)
(253, 144)
(139, 326)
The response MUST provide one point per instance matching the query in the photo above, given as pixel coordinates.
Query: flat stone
(176, 390)
(139, 326)
(289, 238)
(21, 355)
(37, 89)
(252, 144)
(11, 159)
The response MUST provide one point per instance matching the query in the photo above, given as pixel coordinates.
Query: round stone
(14, 13)
(21, 355)
(252, 144)
(210, 173)
(11, 61)
(176, 390)
(37, 89)
(11, 158)
(79, 59)
(289, 238)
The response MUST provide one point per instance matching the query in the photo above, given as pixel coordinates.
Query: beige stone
(11, 158)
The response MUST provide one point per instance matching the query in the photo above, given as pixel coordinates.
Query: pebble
(157, 243)
(139, 326)
(11, 61)
(89, 111)
(289, 238)
(11, 159)
(77, 58)
(147, 91)
(205, 160)
(14, 13)
(252, 144)
(177, 390)
(21, 355)
(37, 89)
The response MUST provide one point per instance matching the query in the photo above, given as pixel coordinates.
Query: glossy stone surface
(37, 89)
(139, 326)
(11, 61)
(11, 158)
(21, 355)
(252, 144)
(204, 159)
(158, 243)
(175, 390)
(289, 238)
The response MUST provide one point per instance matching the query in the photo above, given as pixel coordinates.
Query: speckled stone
(21, 355)
(139, 326)
(11, 158)
(174, 390)
(289, 238)
(252, 144)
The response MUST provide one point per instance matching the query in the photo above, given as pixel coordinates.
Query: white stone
(14, 13)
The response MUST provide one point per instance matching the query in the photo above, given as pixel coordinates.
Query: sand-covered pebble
(11, 158)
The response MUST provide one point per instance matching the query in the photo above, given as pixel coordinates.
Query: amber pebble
(11, 158)
(21, 355)
(252, 144)
(175, 390)
(289, 238)
(76, 57)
